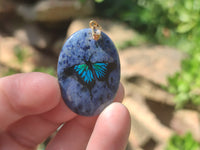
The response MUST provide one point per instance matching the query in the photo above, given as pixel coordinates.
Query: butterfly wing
(84, 72)
(88, 72)
(100, 69)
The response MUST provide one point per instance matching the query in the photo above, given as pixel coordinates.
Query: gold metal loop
(94, 25)
(96, 30)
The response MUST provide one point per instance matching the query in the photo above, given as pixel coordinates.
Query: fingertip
(116, 112)
(45, 91)
(112, 128)
(120, 93)
(117, 120)
(31, 93)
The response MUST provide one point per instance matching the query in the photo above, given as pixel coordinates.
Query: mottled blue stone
(83, 98)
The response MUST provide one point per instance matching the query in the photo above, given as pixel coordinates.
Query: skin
(31, 109)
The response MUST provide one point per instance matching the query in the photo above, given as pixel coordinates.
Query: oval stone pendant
(88, 71)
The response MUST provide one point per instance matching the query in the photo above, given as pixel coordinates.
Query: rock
(33, 35)
(160, 146)
(54, 11)
(151, 125)
(138, 134)
(22, 57)
(143, 70)
(7, 6)
(57, 46)
(155, 63)
(148, 89)
(185, 121)
(117, 31)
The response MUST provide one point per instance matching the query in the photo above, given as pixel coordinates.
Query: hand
(31, 109)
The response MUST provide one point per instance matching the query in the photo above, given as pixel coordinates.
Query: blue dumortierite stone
(88, 72)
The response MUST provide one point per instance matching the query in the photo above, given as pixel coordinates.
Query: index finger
(26, 94)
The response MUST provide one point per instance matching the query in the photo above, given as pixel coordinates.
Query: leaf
(99, 1)
(185, 27)
(185, 142)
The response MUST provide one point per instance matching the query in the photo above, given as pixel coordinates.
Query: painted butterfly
(88, 72)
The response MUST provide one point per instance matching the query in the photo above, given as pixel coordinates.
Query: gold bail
(96, 30)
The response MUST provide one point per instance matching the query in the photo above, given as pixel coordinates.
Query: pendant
(88, 71)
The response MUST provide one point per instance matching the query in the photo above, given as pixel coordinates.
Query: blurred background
(159, 47)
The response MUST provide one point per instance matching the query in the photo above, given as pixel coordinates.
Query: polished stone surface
(88, 72)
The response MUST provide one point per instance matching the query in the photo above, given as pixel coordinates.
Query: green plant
(48, 70)
(41, 147)
(10, 71)
(174, 23)
(96, 1)
(186, 83)
(20, 53)
(185, 142)
(167, 22)
(136, 41)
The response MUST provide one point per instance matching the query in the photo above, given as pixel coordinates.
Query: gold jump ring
(96, 30)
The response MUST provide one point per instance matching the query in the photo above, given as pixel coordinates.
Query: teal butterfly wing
(85, 73)
(88, 72)
(101, 70)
